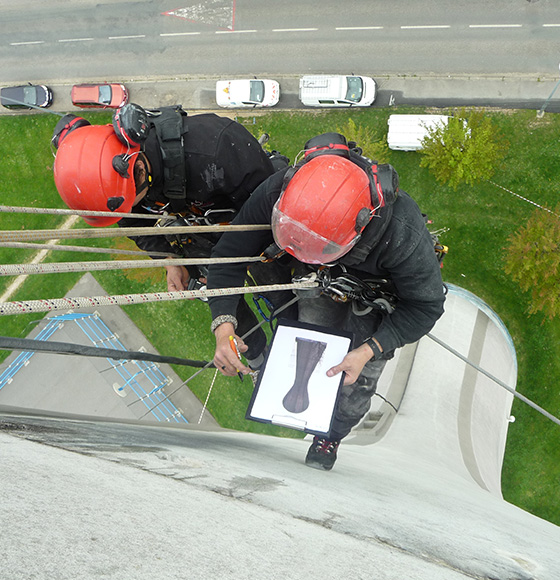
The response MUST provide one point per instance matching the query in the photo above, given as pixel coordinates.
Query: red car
(104, 95)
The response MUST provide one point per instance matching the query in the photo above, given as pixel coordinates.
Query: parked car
(247, 93)
(103, 95)
(337, 91)
(26, 96)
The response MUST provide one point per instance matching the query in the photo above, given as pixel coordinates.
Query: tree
(533, 261)
(467, 149)
(364, 137)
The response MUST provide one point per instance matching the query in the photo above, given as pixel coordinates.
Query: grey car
(26, 96)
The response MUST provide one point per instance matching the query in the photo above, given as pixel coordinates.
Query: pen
(233, 344)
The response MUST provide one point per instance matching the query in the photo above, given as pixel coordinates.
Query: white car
(247, 93)
(337, 91)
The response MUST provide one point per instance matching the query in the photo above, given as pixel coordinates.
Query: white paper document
(293, 389)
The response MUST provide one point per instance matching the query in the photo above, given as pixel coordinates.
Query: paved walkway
(75, 385)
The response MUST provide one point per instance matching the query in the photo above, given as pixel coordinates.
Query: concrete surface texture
(118, 499)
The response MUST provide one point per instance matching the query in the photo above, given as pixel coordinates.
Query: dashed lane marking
(130, 37)
(294, 29)
(234, 31)
(27, 42)
(359, 28)
(288, 30)
(180, 33)
(495, 25)
(425, 26)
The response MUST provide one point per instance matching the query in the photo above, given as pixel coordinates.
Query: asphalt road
(60, 41)
(429, 52)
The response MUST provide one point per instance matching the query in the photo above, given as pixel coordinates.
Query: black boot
(322, 453)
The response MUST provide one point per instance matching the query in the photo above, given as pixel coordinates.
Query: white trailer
(407, 131)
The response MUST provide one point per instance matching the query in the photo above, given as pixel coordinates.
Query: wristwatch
(375, 347)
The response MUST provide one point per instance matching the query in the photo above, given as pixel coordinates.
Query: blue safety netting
(143, 379)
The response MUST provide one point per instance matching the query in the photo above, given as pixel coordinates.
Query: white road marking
(179, 33)
(495, 25)
(233, 31)
(75, 39)
(127, 37)
(28, 42)
(252, 31)
(359, 28)
(294, 29)
(423, 26)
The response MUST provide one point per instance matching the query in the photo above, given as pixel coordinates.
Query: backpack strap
(168, 123)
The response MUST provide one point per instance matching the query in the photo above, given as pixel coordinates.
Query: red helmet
(323, 210)
(93, 170)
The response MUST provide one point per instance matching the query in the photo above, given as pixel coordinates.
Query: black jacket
(224, 164)
(404, 253)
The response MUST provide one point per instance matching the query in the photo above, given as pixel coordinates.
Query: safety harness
(168, 124)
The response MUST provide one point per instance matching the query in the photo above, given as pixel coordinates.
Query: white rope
(64, 267)
(524, 198)
(79, 212)
(83, 249)
(30, 235)
(47, 305)
(208, 396)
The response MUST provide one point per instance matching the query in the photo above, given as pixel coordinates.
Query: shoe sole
(320, 466)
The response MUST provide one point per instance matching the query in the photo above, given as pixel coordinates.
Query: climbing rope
(496, 380)
(208, 396)
(84, 249)
(210, 364)
(68, 348)
(47, 305)
(78, 212)
(524, 198)
(30, 235)
(64, 267)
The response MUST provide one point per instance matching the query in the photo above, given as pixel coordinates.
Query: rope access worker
(199, 168)
(338, 208)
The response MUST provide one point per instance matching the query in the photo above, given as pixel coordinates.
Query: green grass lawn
(479, 220)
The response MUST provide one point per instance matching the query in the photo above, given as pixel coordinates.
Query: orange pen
(233, 344)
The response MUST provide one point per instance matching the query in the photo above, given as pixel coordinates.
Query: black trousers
(355, 399)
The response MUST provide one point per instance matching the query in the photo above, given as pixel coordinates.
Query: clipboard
(293, 389)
